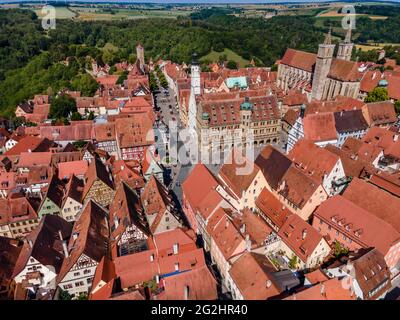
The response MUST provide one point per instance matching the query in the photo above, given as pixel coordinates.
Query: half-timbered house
(89, 243)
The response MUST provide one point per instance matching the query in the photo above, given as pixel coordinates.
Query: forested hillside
(30, 58)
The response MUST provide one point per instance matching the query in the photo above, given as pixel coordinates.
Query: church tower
(195, 75)
(322, 66)
(346, 47)
(194, 91)
(140, 55)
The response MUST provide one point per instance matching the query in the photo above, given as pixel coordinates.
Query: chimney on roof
(29, 150)
(302, 110)
(269, 283)
(243, 228)
(30, 243)
(64, 244)
(304, 234)
(248, 243)
(176, 248)
(323, 293)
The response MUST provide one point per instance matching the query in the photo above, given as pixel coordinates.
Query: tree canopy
(62, 106)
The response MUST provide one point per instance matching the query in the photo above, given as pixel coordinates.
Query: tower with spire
(194, 91)
(140, 55)
(345, 47)
(322, 66)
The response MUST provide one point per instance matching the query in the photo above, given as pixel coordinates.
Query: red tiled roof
(299, 59)
(272, 208)
(134, 131)
(331, 289)
(371, 229)
(200, 282)
(251, 274)
(198, 184)
(301, 237)
(297, 187)
(92, 238)
(30, 159)
(379, 113)
(377, 201)
(67, 169)
(344, 70)
(313, 160)
(320, 127)
(27, 144)
(238, 172)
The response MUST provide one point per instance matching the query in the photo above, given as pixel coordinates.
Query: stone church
(320, 75)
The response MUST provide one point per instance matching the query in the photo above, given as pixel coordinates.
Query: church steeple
(346, 47)
(328, 37)
(322, 66)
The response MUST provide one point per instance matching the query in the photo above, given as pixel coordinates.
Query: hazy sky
(185, 1)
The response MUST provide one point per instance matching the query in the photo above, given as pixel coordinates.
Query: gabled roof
(126, 207)
(97, 170)
(379, 113)
(320, 127)
(90, 237)
(371, 272)
(300, 237)
(9, 253)
(331, 289)
(155, 200)
(226, 236)
(350, 121)
(272, 208)
(297, 187)
(273, 165)
(200, 282)
(46, 243)
(74, 189)
(238, 172)
(299, 59)
(55, 191)
(252, 275)
(377, 201)
(198, 184)
(313, 160)
(357, 223)
(70, 168)
(29, 144)
(344, 70)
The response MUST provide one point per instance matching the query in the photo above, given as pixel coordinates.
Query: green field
(61, 13)
(98, 13)
(214, 55)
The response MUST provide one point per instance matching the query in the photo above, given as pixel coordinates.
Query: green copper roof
(246, 105)
(205, 116)
(240, 82)
(383, 83)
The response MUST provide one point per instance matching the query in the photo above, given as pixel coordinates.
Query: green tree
(64, 295)
(112, 70)
(85, 84)
(122, 77)
(90, 116)
(62, 106)
(76, 116)
(82, 296)
(376, 95)
(397, 107)
(293, 262)
(231, 64)
(339, 250)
